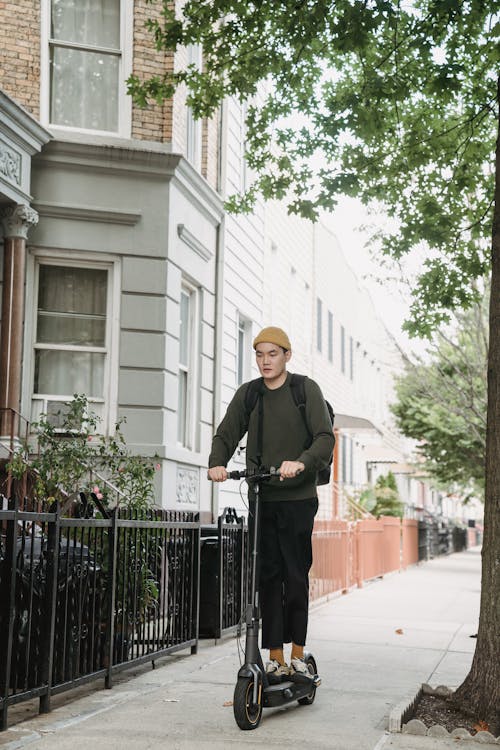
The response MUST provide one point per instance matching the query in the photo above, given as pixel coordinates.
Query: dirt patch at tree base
(434, 709)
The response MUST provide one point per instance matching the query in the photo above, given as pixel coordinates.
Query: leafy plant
(75, 458)
(65, 464)
(383, 499)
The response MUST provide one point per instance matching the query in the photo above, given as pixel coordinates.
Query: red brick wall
(155, 122)
(20, 77)
(20, 52)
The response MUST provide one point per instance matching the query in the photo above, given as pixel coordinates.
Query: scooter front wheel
(247, 713)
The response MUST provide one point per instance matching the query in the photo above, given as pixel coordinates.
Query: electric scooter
(253, 691)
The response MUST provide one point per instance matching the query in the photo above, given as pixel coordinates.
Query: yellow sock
(297, 651)
(276, 654)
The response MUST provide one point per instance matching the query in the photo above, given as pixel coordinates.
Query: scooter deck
(287, 692)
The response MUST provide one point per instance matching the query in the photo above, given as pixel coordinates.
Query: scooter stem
(255, 546)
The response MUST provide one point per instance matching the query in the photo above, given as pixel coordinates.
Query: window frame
(186, 429)
(105, 406)
(342, 350)
(319, 324)
(124, 129)
(243, 360)
(194, 127)
(330, 335)
(244, 177)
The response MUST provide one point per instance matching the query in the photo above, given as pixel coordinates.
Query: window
(319, 324)
(193, 127)
(243, 347)
(351, 358)
(186, 407)
(342, 348)
(83, 65)
(72, 336)
(330, 336)
(243, 143)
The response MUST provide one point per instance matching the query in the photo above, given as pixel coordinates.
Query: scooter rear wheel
(308, 699)
(247, 713)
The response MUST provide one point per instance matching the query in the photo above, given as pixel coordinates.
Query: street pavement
(374, 647)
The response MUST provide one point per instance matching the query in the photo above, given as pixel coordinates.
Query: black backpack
(297, 387)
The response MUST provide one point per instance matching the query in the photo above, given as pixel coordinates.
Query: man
(289, 502)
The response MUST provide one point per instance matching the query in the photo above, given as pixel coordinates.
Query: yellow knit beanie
(272, 335)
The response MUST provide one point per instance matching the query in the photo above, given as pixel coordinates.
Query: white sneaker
(276, 672)
(299, 671)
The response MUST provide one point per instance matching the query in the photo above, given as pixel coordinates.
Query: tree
(397, 104)
(442, 403)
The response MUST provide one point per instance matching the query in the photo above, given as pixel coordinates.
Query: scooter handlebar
(254, 475)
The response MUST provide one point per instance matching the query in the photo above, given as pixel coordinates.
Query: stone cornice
(138, 158)
(25, 128)
(193, 242)
(87, 213)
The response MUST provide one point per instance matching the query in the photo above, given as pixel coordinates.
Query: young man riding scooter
(279, 435)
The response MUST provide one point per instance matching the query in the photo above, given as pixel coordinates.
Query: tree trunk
(479, 694)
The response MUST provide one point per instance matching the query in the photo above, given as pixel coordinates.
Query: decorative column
(16, 221)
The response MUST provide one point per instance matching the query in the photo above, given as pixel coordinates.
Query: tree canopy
(442, 403)
(389, 102)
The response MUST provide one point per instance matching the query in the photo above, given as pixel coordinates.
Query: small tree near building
(441, 403)
(383, 499)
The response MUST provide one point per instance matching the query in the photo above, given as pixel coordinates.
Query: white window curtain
(85, 61)
(70, 346)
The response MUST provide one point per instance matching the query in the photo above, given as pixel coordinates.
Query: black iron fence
(82, 598)
(437, 537)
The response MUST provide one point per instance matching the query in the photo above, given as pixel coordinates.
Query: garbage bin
(209, 617)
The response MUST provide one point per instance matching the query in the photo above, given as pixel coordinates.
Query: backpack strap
(253, 395)
(299, 396)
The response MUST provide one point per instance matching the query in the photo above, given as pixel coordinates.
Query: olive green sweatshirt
(284, 438)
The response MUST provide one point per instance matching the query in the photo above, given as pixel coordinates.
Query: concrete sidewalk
(374, 647)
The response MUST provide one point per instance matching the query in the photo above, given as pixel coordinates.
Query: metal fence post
(195, 588)
(9, 598)
(220, 568)
(53, 539)
(112, 561)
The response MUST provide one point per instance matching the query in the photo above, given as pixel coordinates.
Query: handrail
(352, 504)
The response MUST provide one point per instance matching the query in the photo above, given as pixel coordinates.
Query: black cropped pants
(285, 558)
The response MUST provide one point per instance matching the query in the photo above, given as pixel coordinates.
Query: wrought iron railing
(85, 597)
(234, 570)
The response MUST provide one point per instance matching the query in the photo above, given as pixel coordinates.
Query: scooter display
(253, 691)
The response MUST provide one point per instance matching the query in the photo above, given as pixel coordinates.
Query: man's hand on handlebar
(290, 469)
(217, 473)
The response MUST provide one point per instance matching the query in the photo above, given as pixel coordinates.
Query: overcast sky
(390, 298)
